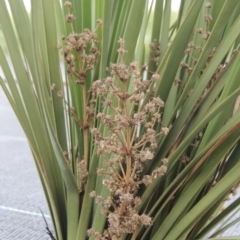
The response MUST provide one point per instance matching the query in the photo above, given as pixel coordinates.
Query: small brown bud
(208, 18)
(121, 41)
(176, 81)
(67, 4)
(99, 21)
(70, 18)
(155, 77)
(60, 93)
(53, 86)
(208, 5)
(165, 131)
(92, 194)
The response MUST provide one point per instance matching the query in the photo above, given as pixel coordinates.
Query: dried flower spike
(129, 152)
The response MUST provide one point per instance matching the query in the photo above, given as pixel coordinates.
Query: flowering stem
(134, 168)
(117, 174)
(122, 209)
(135, 234)
(134, 134)
(120, 164)
(128, 147)
(85, 124)
(128, 171)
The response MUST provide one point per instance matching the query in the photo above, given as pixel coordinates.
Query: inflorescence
(130, 139)
(131, 142)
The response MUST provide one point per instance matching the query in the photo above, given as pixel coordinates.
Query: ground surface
(21, 194)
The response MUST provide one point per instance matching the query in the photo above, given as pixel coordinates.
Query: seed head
(67, 4)
(155, 77)
(165, 131)
(208, 5)
(70, 18)
(208, 18)
(99, 21)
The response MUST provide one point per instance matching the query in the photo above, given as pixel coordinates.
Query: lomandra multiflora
(129, 144)
(129, 140)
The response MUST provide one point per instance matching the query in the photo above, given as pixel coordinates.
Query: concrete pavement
(21, 194)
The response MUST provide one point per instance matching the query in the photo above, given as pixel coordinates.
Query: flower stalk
(128, 154)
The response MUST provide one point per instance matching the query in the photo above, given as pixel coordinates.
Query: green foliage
(198, 63)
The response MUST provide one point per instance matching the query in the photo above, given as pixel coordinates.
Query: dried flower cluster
(82, 169)
(190, 61)
(155, 50)
(189, 53)
(124, 150)
(76, 46)
(207, 18)
(205, 35)
(81, 52)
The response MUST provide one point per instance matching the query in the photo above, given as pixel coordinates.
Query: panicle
(124, 150)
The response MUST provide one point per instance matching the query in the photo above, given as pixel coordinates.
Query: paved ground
(21, 195)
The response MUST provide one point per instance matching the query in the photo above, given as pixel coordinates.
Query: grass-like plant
(134, 139)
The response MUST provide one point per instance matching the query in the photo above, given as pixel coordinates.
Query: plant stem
(122, 209)
(128, 171)
(128, 147)
(85, 124)
(135, 234)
